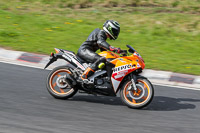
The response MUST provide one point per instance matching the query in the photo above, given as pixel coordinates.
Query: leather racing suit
(96, 40)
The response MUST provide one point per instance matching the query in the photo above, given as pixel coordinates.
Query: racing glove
(116, 50)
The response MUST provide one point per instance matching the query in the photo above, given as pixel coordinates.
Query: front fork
(134, 81)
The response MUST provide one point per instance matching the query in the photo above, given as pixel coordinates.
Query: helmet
(112, 28)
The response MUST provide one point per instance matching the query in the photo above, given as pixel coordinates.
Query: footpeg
(87, 81)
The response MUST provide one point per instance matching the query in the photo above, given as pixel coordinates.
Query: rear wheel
(58, 86)
(139, 98)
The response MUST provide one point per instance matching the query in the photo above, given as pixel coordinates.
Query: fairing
(108, 54)
(123, 66)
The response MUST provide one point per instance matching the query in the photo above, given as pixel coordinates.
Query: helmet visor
(115, 32)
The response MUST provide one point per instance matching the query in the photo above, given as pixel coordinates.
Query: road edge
(155, 76)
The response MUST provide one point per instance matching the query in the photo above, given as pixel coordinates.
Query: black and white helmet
(112, 28)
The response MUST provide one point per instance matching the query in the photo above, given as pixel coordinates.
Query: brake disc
(133, 96)
(61, 82)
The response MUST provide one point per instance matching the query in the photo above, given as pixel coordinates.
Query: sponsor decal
(124, 67)
(66, 57)
(138, 65)
(120, 72)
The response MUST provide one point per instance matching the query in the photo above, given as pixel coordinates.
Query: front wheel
(139, 98)
(58, 86)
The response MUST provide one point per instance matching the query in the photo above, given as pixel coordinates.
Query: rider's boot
(88, 72)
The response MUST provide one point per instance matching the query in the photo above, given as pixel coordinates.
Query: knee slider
(102, 61)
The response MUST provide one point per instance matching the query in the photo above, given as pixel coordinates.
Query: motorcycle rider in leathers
(95, 41)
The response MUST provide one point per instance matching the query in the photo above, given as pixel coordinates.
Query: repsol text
(124, 67)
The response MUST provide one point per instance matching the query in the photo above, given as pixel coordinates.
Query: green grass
(167, 36)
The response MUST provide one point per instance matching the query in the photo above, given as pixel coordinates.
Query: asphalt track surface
(27, 107)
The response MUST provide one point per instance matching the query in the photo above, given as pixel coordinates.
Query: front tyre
(58, 86)
(140, 98)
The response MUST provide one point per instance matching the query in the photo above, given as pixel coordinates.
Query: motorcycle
(121, 74)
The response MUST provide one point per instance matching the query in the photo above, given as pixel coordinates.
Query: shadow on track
(161, 103)
(99, 99)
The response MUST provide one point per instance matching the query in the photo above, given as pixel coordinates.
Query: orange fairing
(123, 66)
(136, 59)
(108, 54)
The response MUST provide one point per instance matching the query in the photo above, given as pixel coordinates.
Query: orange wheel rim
(142, 96)
(53, 84)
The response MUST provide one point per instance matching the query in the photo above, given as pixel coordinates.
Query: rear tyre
(140, 98)
(56, 84)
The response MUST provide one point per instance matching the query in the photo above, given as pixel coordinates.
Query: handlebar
(123, 52)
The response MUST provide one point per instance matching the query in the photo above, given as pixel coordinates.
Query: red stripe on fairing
(116, 81)
(121, 74)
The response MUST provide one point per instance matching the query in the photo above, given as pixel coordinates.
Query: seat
(68, 51)
(80, 59)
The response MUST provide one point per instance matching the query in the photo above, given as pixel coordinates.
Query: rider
(95, 41)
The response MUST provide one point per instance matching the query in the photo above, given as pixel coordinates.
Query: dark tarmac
(27, 107)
